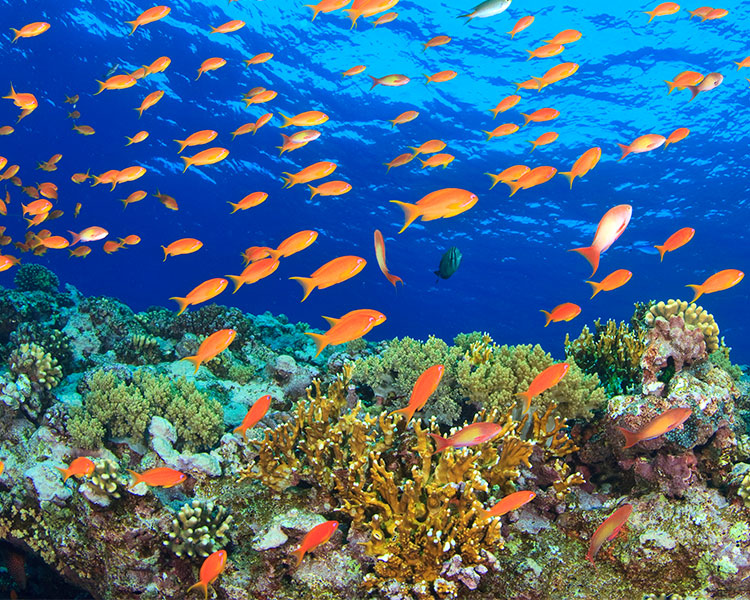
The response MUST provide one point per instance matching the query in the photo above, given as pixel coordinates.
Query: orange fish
(116, 82)
(249, 201)
(441, 204)
(137, 138)
(297, 242)
(30, 30)
(611, 227)
(608, 530)
(439, 40)
(158, 66)
(510, 174)
(611, 282)
(84, 129)
(258, 59)
(677, 240)
(520, 25)
(368, 8)
(501, 131)
(229, 27)
(546, 51)
(543, 140)
(305, 119)
(197, 139)
(399, 161)
(318, 535)
(386, 18)
(587, 161)
(404, 117)
(505, 104)
(395, 80)
(547, 379)
(79, 468)
(683, 80)
(80, 252)
(37, 207)
(157, 477)
(562, 312)
(77, 210)
(380, 255)
(744, 63)
(6, 130)
(205, 291)
(429, 147)
(664, 423)
(134, 197)
(205, 157)
(262, 97)
(257, 411)
(438, 160)
(90, 234)
(149, 16)
(110, 246)
(471, 435)
(645, 143)
(352, 326)
(718, 282)
(568, 36)
(72, 99)
(664, 9)
(80, 177)
(356, 70)
(440, 77)
(6, 262)
(130, 240)
(331, 273)
(327, 6)
(716, 13)
(210, 64)
(262, 120)
(424, 387)
(243, 129)
(677, 135)
(212, 346)
(298, 140)
(509, 503)
(315, 171)
(25, 101)
(710, 82)
(256, 253)
(538, 116)
(182, 246)
(533, 178)
(330, 188)
(139, 73)
(149, 101)
(254, 272)
(211, 568)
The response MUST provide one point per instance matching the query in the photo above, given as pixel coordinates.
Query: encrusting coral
(33, 277)
(694, 316)
(198, 529)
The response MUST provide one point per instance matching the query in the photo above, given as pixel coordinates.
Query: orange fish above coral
(333, 272)
(212, 346)
(424, 387)
(664, 423)
(257, 411)
(352, 326)
(718, 282)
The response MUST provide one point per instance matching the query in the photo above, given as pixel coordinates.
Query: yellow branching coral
(567, 479)
(694, 316)
(480, 352)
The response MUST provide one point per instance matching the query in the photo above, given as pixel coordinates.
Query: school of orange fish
(262, 261)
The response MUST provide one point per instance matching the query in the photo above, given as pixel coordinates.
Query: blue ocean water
(515, 261)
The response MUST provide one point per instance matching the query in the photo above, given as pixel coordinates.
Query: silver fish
(488, 8)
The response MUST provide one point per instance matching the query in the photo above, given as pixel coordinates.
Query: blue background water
(515, 259)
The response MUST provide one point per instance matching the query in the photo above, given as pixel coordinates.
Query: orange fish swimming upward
(471, 435)
(257, 411)
(562, 312)
(718, 282)
(677, 240)
(547, 379)
(441, 204)
(334, 271)
(157, 477)
(318, 535)
(509, 503)
(351, 326)
(677, 135)
(567, 36)
(505, 104)
(664, 423)
(611, 227)
(149, 16)
(212, 346)
(380, 256)
(510, 174)
(587, 161)
(149, 101)
(211, 568)
(424, 387)
(80, 467)
(205, 291)
(555, 74)
(608, 530)
(611, 282)
(254, 272)
(520, 25)
(250, 201)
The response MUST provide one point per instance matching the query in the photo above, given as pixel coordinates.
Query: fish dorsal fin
(331, 321)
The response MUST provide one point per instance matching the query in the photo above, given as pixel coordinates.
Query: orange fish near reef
(257, 411)
(471, 435)
(555, 74)
(587, 161)
(356, 70)
(439, 40)
(197, 139)
(568, 36)
(664, 423)
(205, 291)
(390, 80)
(386, 18)
(137, 138)
(212, 346)
(334, 271)
(677, 240)
(501, 131)
(546, 51)
(566, 311)
(111, 246)
(258, 59)
(441, 204)
(611, 282)
(611, 226)
(158, 66)
(543, 140)
(509, 503)
(80, 467)
(718, 282)
(211, 568)
(134, 197)
(380, 255)
(424, 387)
(182, 246)
(711, 81)
(538, 116)
(205, 157)
(608, 530)
(351, 326)
(30, 30)
(547, 379)
(318, 535)
(664, 9)
(645, 143)
(254, 272)
(157, 477)
(149, 16)
(315, 171)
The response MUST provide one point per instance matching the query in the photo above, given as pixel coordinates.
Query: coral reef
(198, 529)
(31, 363)
(31, 277)
(694, 317)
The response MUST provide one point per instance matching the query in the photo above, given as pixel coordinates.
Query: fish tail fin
(739, 65)
(670, 85)
(489, 135)
(289, 180)
(375, 82)
(527, 118)
(201, 585)
(137, 478)
(411, 213)
(495, 179)
(12, 94)
(314, 9)
(182, 143)
(518, 85)
(140, 111)
(441, 443)
(531, 54)
(631, 439)
(595, 287)
(494, 112)
(424, 162)
(134, 25)
(625, 151)
(76, 238)
(237, 281)
(407, 411)
(213, 30)
(298, 555)
(166, 252)
(183, 303)
(569, 176)
(694, 90)
(195, 360)
(651, 14)
(514, 187)
(394, 279)
(234, 135)
(548, 316)
(65, 473)
(101, 87)
(320, 341)
(541, 83)
(200, 72)
(308, 285)
(511, 33)
(236, 207)
(18, 34)
(313, 191)
(188, 162)
(526, 400)
(591, 254)
(392, 122)
(533, 147)
(241, 430)
(427, 77)
(389, 167)
(697, 290)
(661, 250)
(287, 121)
(353, 17)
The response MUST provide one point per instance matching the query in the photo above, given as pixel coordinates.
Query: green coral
(721, 359)
(31, 278)
(115, 408)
